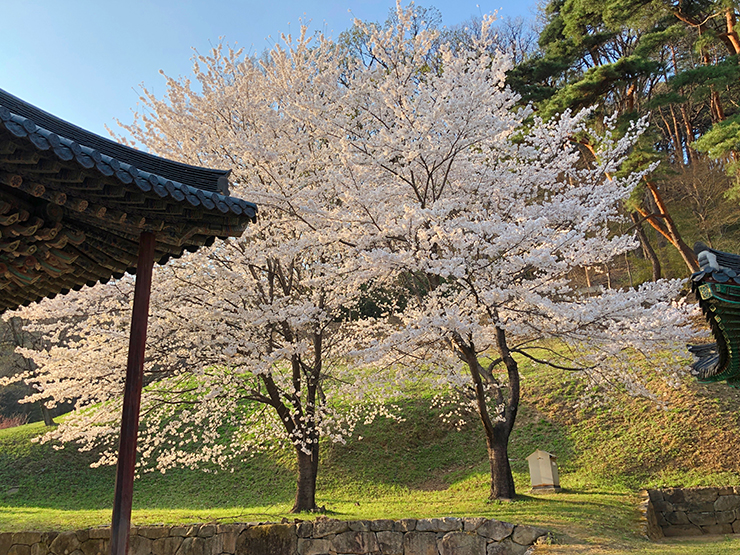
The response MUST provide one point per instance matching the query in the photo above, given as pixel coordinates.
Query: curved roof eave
(72, 206)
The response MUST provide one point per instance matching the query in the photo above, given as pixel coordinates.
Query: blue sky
(82, 60)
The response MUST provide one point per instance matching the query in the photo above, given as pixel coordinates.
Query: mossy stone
(276, 539)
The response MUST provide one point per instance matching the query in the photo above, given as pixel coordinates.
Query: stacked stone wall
(675, 512)
(437, 536)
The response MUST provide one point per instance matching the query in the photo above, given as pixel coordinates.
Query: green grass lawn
(422, 468)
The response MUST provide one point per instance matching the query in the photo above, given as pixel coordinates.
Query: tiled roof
(216, 181)
(73, 204)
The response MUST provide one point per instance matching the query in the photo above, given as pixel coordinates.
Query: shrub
(13, 420)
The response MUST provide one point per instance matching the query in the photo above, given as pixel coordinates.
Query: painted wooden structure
(77, 209)
(717, 286)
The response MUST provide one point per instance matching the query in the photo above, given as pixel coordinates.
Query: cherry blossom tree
(246, 337)
(447, 189)
(410, 169)
(244, 354)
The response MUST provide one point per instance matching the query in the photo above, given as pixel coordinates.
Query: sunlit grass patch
(422, 467)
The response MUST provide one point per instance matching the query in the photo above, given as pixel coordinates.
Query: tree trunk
(46, 413)
(308, 469)
(733, 41)
(308, 463)
(497, 430)
(502, 481)
(647, 248)
(663, 224)
(497, 435)
(715, 104)
(689, 130)
(683, 144)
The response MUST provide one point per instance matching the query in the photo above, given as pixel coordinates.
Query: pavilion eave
(71, 214)
(77, 209)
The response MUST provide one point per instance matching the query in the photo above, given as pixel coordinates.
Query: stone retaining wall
(693, 511)
(436, 536)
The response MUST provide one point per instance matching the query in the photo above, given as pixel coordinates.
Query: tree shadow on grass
(424, 453)
(37, 475)
(419, 454)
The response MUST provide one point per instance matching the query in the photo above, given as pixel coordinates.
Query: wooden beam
(132, 398)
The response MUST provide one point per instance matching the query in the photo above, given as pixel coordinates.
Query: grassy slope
(421, 468)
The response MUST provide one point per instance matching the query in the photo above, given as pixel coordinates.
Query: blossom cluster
(428, 183)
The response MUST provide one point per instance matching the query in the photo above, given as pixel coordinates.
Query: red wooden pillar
(132, 398)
